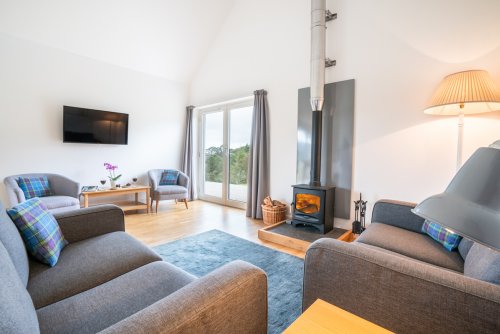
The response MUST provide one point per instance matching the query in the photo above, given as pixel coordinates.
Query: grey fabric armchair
(399, 278)
(178, 192)
(65, 192)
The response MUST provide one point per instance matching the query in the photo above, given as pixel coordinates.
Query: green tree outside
(238, 164)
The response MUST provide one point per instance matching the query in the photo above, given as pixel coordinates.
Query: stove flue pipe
(318, 51)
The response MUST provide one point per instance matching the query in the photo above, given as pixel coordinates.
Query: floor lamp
(462, 93)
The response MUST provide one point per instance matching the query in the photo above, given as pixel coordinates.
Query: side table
(324, 318)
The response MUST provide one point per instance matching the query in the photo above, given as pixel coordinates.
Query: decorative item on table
(134, 180)
(89, 188)
(103, 182)
(112, 175)
(358, 225)
(273, 211)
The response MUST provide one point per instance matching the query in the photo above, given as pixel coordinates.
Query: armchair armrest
(14, 193)
(398, 293)
(64, 186)
(231, 299)
(154, 178)
(183, 180)
(398, 214)
(90, 222)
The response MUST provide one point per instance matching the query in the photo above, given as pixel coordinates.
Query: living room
(182, 72)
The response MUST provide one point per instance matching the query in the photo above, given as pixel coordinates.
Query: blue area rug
(202, 253)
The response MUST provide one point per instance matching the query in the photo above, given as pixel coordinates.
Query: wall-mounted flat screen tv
(82, 125)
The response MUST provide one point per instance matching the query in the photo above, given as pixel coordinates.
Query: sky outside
(240, 128)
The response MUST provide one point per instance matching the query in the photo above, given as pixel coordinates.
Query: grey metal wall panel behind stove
(338, 137)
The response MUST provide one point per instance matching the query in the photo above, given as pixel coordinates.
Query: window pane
(214, 153)
(240, 128)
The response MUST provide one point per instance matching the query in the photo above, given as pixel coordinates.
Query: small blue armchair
(178, 192)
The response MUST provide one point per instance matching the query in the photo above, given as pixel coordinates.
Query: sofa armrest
(90, 222)
(398, 293)
(231, 299)
(398, 214)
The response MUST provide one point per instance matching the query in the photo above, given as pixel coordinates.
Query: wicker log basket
(273, 211)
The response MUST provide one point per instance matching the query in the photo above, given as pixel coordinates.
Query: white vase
(112, 184)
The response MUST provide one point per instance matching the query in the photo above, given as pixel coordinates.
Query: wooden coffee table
(324, 318)
(125, 205)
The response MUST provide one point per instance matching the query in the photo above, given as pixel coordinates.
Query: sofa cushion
(86, 264)
(13, 243)
(448, 239)
(39, 229)
(483, 263)
(415, 245)
(397, 214)
(464, 247)
(169, 177)
(17, 314)
(98, 308)
(34, 186)
(54, 202)
(171, 190)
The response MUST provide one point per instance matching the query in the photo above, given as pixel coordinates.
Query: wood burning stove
(313, 206)
(313, 203)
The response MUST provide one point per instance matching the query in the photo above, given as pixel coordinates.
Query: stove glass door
(307, 203)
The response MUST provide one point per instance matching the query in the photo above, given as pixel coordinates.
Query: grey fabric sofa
(66, 192)
(107, 281)
(178, 192)
(399, 278)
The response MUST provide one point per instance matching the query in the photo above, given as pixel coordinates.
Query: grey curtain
(187, 163)
(258, 157)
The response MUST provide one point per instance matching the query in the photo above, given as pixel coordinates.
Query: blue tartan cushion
(34, 186)
(445, 237)
(169, 177)
(39, 229)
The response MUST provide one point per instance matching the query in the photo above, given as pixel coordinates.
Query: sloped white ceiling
(167, 38)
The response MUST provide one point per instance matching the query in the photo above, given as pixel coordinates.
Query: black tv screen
(82, 125)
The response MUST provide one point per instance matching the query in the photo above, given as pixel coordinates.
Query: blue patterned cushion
(39, 230)
(169, 177)
(34, 186)
(448, 239)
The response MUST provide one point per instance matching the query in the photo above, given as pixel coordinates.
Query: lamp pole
(460, 143)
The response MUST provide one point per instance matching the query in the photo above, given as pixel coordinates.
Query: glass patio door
(225, 143)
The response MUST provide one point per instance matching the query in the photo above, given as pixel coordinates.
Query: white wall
(166, 38)
(397, 51)
(36, 81)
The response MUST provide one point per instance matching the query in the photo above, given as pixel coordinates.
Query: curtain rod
(241, 99)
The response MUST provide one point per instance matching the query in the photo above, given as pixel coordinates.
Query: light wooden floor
(174, 222)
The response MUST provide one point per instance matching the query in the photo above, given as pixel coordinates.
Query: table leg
(136, 198)
(147, 200)
(85, 201)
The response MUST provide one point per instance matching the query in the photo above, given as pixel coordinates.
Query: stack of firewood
(270, 203)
